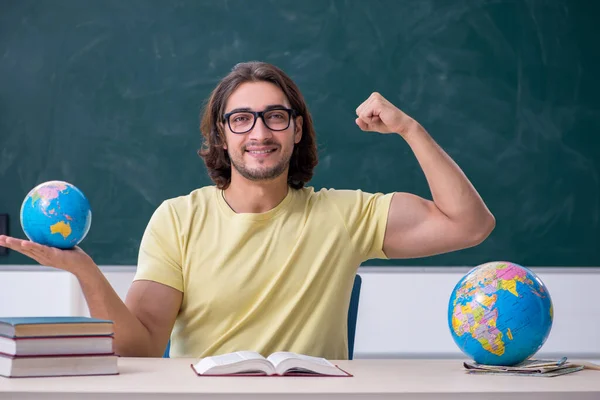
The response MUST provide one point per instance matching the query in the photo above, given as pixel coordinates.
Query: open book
(243, 363)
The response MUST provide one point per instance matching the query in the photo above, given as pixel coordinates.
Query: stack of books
(531, 367)
(56, 346)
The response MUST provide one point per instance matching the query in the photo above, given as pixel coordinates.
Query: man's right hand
(72, 260)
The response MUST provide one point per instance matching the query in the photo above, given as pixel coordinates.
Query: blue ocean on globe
(56, 214)
(500, 313)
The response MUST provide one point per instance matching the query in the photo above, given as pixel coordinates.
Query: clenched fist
(376, 114)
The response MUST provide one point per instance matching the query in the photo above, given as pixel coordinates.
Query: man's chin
(261, 174)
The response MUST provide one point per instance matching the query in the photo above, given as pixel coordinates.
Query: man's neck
(244, 196)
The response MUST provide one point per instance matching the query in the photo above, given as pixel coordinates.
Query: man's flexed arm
(457, 217)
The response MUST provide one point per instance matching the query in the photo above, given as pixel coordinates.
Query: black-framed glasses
(276, 119)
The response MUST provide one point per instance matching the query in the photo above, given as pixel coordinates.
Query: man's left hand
(376, 114)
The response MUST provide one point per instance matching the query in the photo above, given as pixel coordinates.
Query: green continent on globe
(474, 307)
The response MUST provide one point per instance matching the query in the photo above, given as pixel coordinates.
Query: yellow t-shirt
(274, 281)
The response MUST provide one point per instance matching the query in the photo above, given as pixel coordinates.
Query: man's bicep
(417, 228)
(156, 306)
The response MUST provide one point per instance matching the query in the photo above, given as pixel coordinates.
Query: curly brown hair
(304, 157)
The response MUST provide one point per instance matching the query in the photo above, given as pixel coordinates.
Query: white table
(158, 378)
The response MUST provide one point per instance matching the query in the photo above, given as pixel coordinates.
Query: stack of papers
(546, 368)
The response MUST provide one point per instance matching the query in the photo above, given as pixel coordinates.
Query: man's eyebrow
(239, 109)
(274, 106)
(269, 107)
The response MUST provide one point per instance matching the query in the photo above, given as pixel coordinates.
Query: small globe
(56, 214)
(500, 313)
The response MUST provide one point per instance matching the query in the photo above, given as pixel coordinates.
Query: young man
(258, 261)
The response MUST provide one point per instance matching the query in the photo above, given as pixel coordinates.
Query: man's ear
(298, 129)
(221, 134)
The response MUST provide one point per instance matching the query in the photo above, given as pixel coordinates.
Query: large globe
(500, 313)
(56, 214)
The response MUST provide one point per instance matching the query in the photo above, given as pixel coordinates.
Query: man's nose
(260, 130)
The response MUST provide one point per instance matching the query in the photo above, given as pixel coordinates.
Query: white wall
(405, 312)
(402, 311)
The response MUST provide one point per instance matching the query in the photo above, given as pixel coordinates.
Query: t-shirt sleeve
(365, 216)
(160, 256)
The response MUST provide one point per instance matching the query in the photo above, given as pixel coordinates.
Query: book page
(281, 356)
(316, 360)
(286, 362)
(207, 363)
(232, 358)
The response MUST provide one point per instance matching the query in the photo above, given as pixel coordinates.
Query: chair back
(353, 314)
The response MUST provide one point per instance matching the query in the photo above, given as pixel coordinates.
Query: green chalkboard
(106, 95)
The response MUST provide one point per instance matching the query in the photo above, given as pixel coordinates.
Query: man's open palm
(68, 260)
